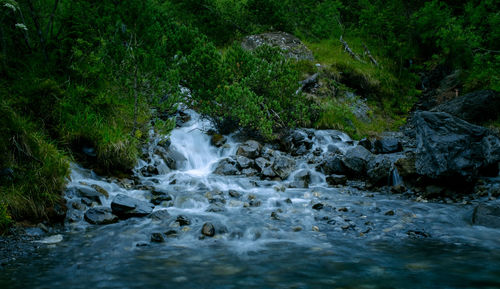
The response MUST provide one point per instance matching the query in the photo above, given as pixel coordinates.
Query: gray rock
(379, 168)
(208, 230)
(366, 143)
(387, 146)
(291, 46)
(449, 146)
(250, 149)
(333, 165)
(183, 220)
(89, 193)
(218, 140)
(249, 172)
(486, 215)
(262, 163)
(268, 172)
(126, 207)
(334, 180)
(172, 158)
(297, 143)
(100, 216)
(157, 238)
(234, 194)
(160, 198)
(303, 176)
(356, 159)
(244, 162)
(160, 215)
(226, 167)
(475, 107)
(283, 166)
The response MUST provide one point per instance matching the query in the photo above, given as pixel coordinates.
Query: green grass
(390, 95)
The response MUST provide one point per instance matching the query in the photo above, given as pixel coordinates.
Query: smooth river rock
(126, 207)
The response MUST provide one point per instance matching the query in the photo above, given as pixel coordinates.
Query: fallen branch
(348, 50)
(307, 82)
(368, 53)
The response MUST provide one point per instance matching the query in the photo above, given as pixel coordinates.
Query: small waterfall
(394, 177)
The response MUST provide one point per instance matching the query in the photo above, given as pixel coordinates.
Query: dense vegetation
(88, 79)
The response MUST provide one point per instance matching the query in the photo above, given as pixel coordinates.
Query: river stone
(334, 180)
(296, 143)
(451, 147)
(101, 190)
(157, 238)
(333, 165)
(89, 193)
(356, 159)
(290, 45)
(226, 167)
(250, 149)
(100, 216)
(262, 163)
(387, 146)
(126, 207)
(379, 168)
(160, 215)
(244, 162)
(303, 176)
(475, 107)
(283, 166)
(406, 165)
(172, 158)
(160, 198)
(218, 140)
(366, 143)
(183, 220)
(486, 215)
(208, 230)
(268, 172)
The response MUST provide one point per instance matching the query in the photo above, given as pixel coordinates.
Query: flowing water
(267, 235)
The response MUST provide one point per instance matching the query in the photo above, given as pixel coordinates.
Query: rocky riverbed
(316, 209)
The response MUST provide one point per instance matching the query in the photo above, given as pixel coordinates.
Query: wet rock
(389, 213)
(234, 194)
(218, 140)
(226, 167)
(249, 172)
(379, 169)
(291, 46)
(157, 238)
(318, 206)
(268, 172)
(157, 199)
(304, 177)
(100, 216)
(160, 215)
(244, 162)
(486, 215)
(149, 171)
(250, 149)
(406, 165)
(476, 107)
(387, 146)
(333, 165)
(366, 143)
(334, 180)
(74, 216)
(172, 158)
(298, 184)
(126, 207)
(274, 216)
(450, 147)
(208, 230)
(89, 193)
(183, 220)
(142, 244)
(262, 163)
(398, 189)
(283, 166)
(100, 190)
(417, 234)
(216, 208)
(297, 143)
(356, 159)
(171, 233)
(333, 149)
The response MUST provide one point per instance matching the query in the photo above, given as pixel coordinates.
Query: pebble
(208, 230)
(315, 228)
(318, 206)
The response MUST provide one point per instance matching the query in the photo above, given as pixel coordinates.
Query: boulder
(226, 167)
(334, 180)
(406, 165)
(486, 215)
(250, 149)
(159, 215)
(356, 159)
(283, 166)
(291, 46)
(100, 216)
(127, 207)
(262, 163)
(89, 193)
(296, 143)
(387, 146)
(475, 107)
(172, 158)
(333, 165)
(449, 147)
(244, 162)
(379, 169)
(208, 230)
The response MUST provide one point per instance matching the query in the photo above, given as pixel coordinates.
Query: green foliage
(5, 218)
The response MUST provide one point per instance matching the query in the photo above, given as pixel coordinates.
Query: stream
(267, 235)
